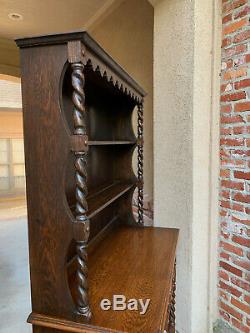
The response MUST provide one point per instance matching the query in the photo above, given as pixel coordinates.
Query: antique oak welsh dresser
(84, 243)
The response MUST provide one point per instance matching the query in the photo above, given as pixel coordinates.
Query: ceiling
(50, 16)
(153, 2)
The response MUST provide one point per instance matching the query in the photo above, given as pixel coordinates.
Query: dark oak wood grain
(79, 144)
(137, 263)
(106, 196)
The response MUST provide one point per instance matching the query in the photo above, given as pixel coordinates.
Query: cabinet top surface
(137, 263)
(90, 44)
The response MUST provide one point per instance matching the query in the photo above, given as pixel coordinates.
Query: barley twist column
(79, 115)
(140, 162)
(171, 327)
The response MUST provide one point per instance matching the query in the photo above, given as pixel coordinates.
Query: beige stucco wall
(10, 92)
(11, 124)
(127, 35)
(206, 119)
(173, 81)
(9, 58)
(186, 113)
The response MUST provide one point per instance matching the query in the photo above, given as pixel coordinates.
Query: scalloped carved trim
(98, 66)
(77, 52)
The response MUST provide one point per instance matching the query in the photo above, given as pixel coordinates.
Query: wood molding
(65, 325)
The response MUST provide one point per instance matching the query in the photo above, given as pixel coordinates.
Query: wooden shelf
(137, 263)
(104, 196)
(106, 143)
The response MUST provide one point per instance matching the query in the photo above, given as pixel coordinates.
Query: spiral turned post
(79, 118)
(140, 162)
(171, 324)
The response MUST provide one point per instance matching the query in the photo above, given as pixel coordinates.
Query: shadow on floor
(221, 327)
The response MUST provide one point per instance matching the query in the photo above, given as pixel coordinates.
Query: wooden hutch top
(84, 242)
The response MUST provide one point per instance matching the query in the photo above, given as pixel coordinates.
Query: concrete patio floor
(14, 272)
(12, 208)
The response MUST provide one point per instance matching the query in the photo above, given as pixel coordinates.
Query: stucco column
(186, 117)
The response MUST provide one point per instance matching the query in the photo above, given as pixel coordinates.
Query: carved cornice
(78, 52)
(94, 55)
(110, 76)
